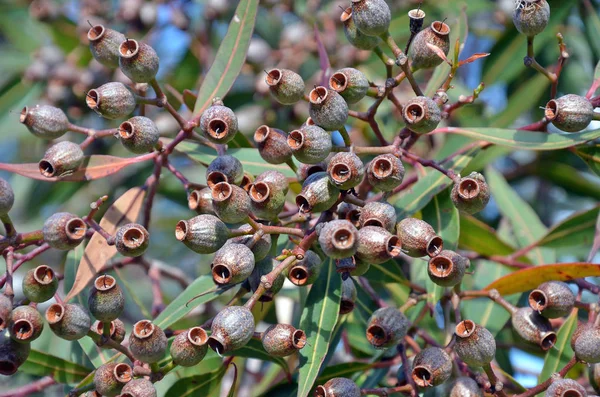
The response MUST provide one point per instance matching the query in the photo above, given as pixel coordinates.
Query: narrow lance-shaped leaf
(578, 229)
(204, 384)
(42, 364)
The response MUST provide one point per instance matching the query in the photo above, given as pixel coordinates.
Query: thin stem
(497, 386)
(266, 282)
(344, 133)
(99, 339)
(33, 387)
(371, 292)
(546, 384)
(9, 258)
(8, 226)
(402, 61)
(386, 391)
(531, 62)
(26, 258)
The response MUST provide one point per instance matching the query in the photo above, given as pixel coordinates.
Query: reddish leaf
(473, 58)
(438, 51)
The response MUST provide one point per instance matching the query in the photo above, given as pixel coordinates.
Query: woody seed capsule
(424, 57)
(585, 342)
(232, 328)
(570, 113)
(262, 268)
(552, 299)
(272, 145)
(110, 378)
(355, 36)
(474, 345)
(200, 200)
(40, 284)
(12, 354)
(260, 249)
(104, 45)
(26, 324)
(46, 122)
(465, 387)
(7, 197)
(147, 342)
(317, 194)
(112, 100)
(138, 61)
(447, 268)
(203, 234)
(531, 16)
(533, 328)
(265, 200)
(305, 271)
(139, 134)
(61, 159)
(432, 366)
(281, 340)
(64, 231)
(338, 387)
(471, 193)
(339, 239)
(224, 168)
(117, 330)
(232, 264)
(350, 83)
(378, 214)
(385, 172)
(565, 388)
(132, 240)
(376, 245)
(286, 86)
(189, 347)
(106, 301)
(140, 387)
(345, 170)
(231, 203)
(421, 115)
(348, 296)
(418, 238)
(68, 321)
(387, 327)
(327, 108)
(310, 144)
(306, 170)
(372, 17)
(218, 123)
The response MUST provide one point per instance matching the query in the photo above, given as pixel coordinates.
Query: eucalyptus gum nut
(61, 159)
(385, 172)
(43, 121)
(471, 193)
(552, 299)
(140, 387)
(423, 57)
(372, 17)
(447, 269)
(132, 240)
(104, 45)
(594, 376)
(272, 145)
(203, 234)
(585, 342)
(6, 307)
(338, 387)
(7, 197)
(224, 168)
(147, 342)
(350, 83)
(117, 330)
(432, 366)
(262, 268)
(230, 202)
(200, 200)
(533, 328)
(232, 328)
(531, 16)
(346, 170)
(421, 115)
(317, 194)
(138, 61)
(565, 388)
(465, 387)
(266, 201)
(380, 214)
(112, 100)
(25, 324)
(40, 284)
(339, 239)
(474, 345)
(275, 179)
(286, 86)
(376, 245)
(189, 347)
(68, 321)
(64, 231)
(348, 296)
(281, 340)
(260, 249)
(387, 327)
(570, 113)
(306, 170)
(219, 123)
(139, 134)
(232, 264)
(327, 109)
(418, 238)
(310, 144)
(12, 354)
(110, 378)
(355, 36)
(305, 271)
(106, 301)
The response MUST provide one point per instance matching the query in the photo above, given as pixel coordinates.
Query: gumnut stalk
(106, 301)
(350, 83)
(140, 387)
(552, 299)
(138, 61)
(25, 324)
(423, 57)
(471, 193)
(355, 36)
(570, 113)
(203, 234)
(40, 284)
(387, 327)
(432, 366)
(385, 172)
(585, 342)
(46, 122)
(104, 45)
(281, 340)
(372, 17)
(421, 115)
(338, 387)
(272, 145)
(376, 245)
(232, 264)
(224, 168)
(286, 86)
(317, 194)
(465, 387)
(132, 240)
(380, 214)
(418, 238)
(260, 249)
(110, 378)
(305, 271)
(61, 159)
(189, 347)
(565, 388)
(447, 269)
(345, 170)
(68, 321)
(230, 202)
(64, 231)
(310, 144)
(232, 328)
(139, 134)
(147, 342)
(533, 328)
(262, 268)
(339, 239)
(12, 354)
(327, 108)
(7, 197)
(474, 345)
(112, 100)
(531, 16)
(218, 123)
(349, 295)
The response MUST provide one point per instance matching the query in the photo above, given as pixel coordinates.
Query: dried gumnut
(474, 345)
(110, 378)
(138, 388)
(350, 83)
(189, 347)
(262, 268)
(346, 170)
(339, 239)
(203, 234)
(306, 170)
(266, 201)
(423, 57)
(594, 376)
(305, 271)
(232, 328)
(218, 123)
(61, 159)
(272, 145)
(378, 214)
(310, 144)
(281, 340)
(418, 238)
(12, 354)
(286, 86)
(104, 45)
(432, 366)
(247, 181)
(147, 342)
(385, 172)
(116, 330)
(68, 321)
(317, 194)
(64, 231)
(447, 268)
(372, 17)
(348, 296)
(6, 307)
(565, 388)
(112, 100)
(106, 301)
(132, 239)
(232, 264)
(585, 342)
(230, 202)
(355, 36)
(327, 108)
(46, 122)
(552, 299)
(533, 328)
(376, 245)
(40, 284)
(275, 179)
(260, 249)
(471, 193)
(465, 387)
(138, 61)
(387, 327)
(25, 324)
(224, 168)
(421, 115)
(416, 16)
(338, 387)
(139, 134)
(570, 113)
(200, 200)
(531, 16)
(7, 197)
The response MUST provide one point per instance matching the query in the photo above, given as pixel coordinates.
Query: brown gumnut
(421, 115)
(531, 16)
(338, 387)
(260, 249)
(281, 340)
(346, 170)
(474, 345)
(200, 200)
(104, 45)
(106, 301)
(275, 179)
(318, 194)
(376, 245)
(224, 168)
(112, 100)
(232, 328)
(46, 122)
(372, 17)
(465, 387)
(471, 193)
(203, 234)
(327, 108)
(387, 327)
(565, 388)
(339, 239)
(310, 144)
(306, 170)
(12, 354)
(447, 268)
(139, 134)
(432, 366)
(423, 57)
(266, 201)
(348, 295)
(147, 342)
(350, 83)
(117, 330)
(140, 387)
(219, 123)
(585, 342)
(305, 271)
(385, 172)
(230, 202)
(232, 264)
(286, 86)
(68, 321)
(552, 299)
(378, 214)
(25, 324)
(40, 284)
(570, 113)
(416, 16)
(189, 347)
(132, 239)
(61, 159)
(64, 231)
(418, 238)
(138, 61)
(110, 378)
(533, 328)
(355, 36)
(272, 145)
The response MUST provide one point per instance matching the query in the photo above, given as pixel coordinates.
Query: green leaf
(481, 238)
(97, 355)
(529, 140)
(578, 229)
(591, 156)
(345, 370)
(230, 57)
(521, 100)
(178, 308)
(204, 384)
(561, 352)
(235, 376)
(63, 371)
(254, 349)
(318, 320)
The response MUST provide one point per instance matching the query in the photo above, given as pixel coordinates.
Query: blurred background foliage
(45, 59)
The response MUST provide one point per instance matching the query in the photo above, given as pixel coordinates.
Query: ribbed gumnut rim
(75, 229)
(464, 329)
(96, 33)
(468, 188)
(143, 329)
(299, 339)
(123, 373)
(318, 95)
(197, 336)
(181, 230)
(538, 300)
(440, 266)
(105, 282)
(129, 48)
(221, 191)
(55, 313)
(134, 237)
(43, 275)
(273, 77)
